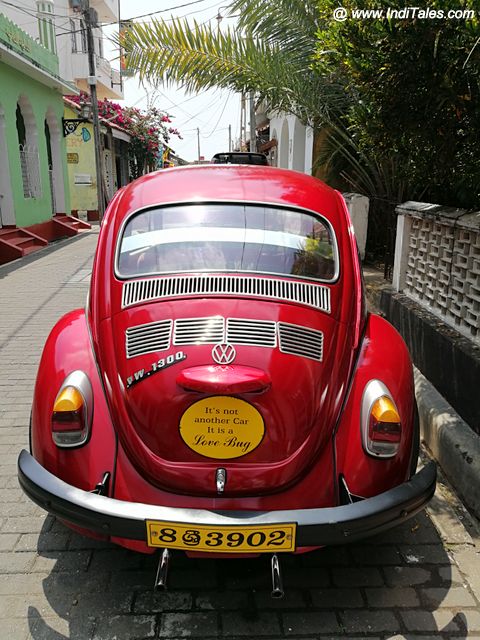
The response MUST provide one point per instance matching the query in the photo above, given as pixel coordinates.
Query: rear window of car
(240, 158)
(227, 237)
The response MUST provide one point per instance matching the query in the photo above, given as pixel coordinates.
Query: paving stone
(151, 601)
(191, 579)
(58, 628)
(424, 554)
(250, 623)
(406, 576)
(304, 577)
(339, 598)
(468, 561)
(8, 541)
(409, 636)
(186, 625)
(441, 621)
(451, 575)
(355, 621)
(125, 628)
(25, 524)
(21, 583)
(31, 606)
(451, 529)
(16, 562)
(309, 622)
(76, 581)
(99, 606)
(217, 600)
(453, 597)
(357, 577)
(62, 561)
(15, 629)
(44, 542)
(327, 557)
(470, 619)
(127, 580)
(377, 556)
(393, 597)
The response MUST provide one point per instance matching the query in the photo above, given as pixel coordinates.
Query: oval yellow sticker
(222, 427)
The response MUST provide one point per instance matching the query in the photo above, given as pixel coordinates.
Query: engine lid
(255, 391)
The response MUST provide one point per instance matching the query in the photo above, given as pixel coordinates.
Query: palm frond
(198, 57)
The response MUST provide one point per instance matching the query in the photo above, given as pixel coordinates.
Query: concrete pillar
(358, 206)
(404, 225)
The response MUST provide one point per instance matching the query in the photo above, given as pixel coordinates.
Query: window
(83, 35)
(227, 237)
(73, 35)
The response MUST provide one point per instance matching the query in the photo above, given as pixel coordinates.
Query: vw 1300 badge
(158, 365)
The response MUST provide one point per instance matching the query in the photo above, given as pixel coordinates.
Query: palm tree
(271, 53)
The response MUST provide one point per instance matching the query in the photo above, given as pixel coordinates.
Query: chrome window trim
(273, 205)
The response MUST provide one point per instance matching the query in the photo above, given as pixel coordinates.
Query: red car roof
(230, 182)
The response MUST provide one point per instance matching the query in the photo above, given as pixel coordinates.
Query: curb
(451, 441)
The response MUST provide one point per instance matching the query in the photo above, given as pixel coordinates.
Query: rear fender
(67, 349)
(383, 356)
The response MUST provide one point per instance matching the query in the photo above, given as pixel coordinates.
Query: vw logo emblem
(224, 353)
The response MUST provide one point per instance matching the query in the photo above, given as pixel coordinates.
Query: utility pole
(198, 144)
(253, 139)
(229, 137)
(92, 81)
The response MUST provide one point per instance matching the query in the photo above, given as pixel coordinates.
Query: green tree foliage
(413, 114)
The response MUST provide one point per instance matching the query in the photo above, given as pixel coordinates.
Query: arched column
(7, 209)
(298, 145)
(283, 150)
(28, 149)
(57, 177)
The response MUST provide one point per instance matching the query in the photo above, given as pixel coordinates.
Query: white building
(59, 26)
(294, 148)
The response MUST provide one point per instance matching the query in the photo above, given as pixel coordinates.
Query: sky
(210, 111)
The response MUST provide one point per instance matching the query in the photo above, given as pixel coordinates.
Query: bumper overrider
(315, 527)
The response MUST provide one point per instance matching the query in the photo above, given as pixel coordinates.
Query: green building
(34, 190)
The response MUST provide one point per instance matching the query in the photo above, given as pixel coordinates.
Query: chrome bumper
(315, 527)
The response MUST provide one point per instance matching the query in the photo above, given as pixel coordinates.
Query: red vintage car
(225, 391)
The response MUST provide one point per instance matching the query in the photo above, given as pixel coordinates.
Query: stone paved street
(419, 581)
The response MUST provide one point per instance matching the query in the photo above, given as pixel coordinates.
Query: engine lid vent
(300, 341)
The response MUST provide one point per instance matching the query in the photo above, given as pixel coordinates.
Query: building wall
(42, 102)
(295, 143)
(81, 166)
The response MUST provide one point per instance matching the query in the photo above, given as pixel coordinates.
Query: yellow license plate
(262, 539)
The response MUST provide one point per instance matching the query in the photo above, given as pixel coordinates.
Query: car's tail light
(381, 423)
(72, 411)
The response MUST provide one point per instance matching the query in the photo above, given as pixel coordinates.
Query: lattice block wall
(443, 272)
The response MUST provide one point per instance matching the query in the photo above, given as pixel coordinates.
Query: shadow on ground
(392, 586)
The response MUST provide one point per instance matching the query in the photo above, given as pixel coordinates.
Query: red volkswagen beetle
(225, 391)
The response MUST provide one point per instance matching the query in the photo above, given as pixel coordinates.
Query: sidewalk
(451, 441)
(421, 580)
